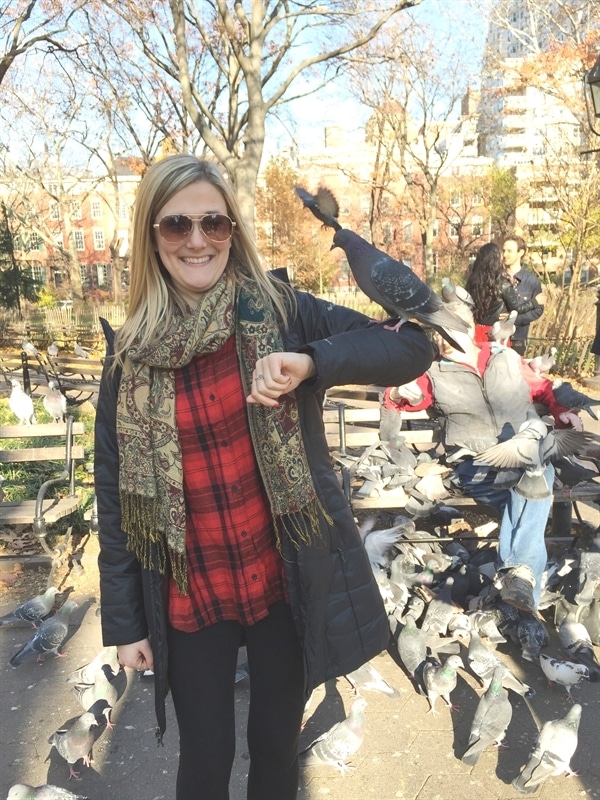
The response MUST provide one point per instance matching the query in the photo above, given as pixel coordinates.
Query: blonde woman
(222, 522)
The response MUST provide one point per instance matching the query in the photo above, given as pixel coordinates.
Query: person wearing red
(483, 395)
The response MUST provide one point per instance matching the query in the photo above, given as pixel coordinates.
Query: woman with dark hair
(493, 291)
(222, 522)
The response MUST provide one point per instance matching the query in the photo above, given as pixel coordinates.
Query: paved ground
(407, 753)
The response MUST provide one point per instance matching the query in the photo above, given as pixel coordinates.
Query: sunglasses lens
(216, 227)
(175, 227)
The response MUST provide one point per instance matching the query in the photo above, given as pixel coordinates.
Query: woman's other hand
(277, 374)
(137, 655)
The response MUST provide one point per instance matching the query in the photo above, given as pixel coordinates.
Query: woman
(222, 522)
(493, 292)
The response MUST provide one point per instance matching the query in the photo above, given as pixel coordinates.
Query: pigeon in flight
(530, 450)
(382, 278)
(567, 396)
(33, 610)
(76, 742)
(565, 673)
(555, 746)
(503, 329)
(48, 637)
(492, 717)
(337, 746)
(55, 403)
(21, 404)
(23, 791)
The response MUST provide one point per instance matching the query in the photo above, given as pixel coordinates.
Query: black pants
(202, 677)
(519, 345)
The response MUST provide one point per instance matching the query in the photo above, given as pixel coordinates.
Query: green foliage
(503, 199)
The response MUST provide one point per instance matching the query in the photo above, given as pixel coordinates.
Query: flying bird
(530, 450)
(337, 746)
(48, 637)
(551, 756)
(33, 610)
(76, 742)
(503, 329)
(23, 791)
(21, 404)
(492, 717)
(323, 205)
(544, 362)
(384, 279)
(55, 403)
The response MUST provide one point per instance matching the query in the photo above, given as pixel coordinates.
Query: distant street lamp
(593, 79)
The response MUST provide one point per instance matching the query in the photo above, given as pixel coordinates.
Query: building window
(455, 228)
(102, 274)
(38, 273)
(76, 212)
(99, 241)
(477, 199)
(59, 241)
(35, 242)
(455, 199)
(96, 208)
(123, 210)
(84, 272)
(407, 232)
(78, 239)
(477, 224)
(54, 209)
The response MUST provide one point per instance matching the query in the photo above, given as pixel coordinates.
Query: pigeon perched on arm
(555, 746)
(55, 403)
(382, 278)
(76, 742)
(33, 610)
(530, 450)
(21, 404)
(492, 717)
(569, 397)
(337, 746)
(23, 791)
(48, 637)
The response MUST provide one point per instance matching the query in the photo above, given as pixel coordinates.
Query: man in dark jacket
(527, 286)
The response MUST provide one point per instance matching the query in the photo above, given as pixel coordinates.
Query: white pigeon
(544, 362)
(21, 404)
(566, 673)
(503, 329)
(80, 352)
(53, 349)
(55, 403)
(29, 348)
(337, 746)
(23, 791)
(87, 673)
(530, 450)
(551, 756)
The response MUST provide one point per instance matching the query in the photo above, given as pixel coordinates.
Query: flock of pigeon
(93, 687)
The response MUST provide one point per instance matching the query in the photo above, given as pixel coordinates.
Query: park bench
(58, 447)
(78, 378)
(351, 419)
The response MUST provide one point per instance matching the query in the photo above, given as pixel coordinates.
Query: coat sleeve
(533, 288)
(121, 596)
(513, 302)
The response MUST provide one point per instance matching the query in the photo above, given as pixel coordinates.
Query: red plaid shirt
(234, 569)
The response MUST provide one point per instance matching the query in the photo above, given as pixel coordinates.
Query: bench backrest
(359, 427)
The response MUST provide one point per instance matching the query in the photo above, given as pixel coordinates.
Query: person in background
(493, 292)
(483, 396)
(527, 286)
(222, 522)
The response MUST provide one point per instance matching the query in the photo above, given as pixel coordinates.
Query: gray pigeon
(76, 742)
(440, 680)
(570, 398)
(451, 293)
(48, 637)
(412, 646)
(337, 746)
(29, 348)
(503, 329)
(532, 636)
(565, 673)
(492, 717)
(367, 679)
(80, 351)
(99, 697)
(544, 362)
(577, 642)
(87, 673)
(551, 756)
(379, 543)
(529, 451)
(22, 791)
(55, 403)
(589, 575)
(33, 610)
(53, 349)
(441, 609)
(484, 661)
(21, 404)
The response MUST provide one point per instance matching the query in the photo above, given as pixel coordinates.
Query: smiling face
(511, 255)
(196, 263)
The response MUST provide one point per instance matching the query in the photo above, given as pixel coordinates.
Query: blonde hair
(153, 297)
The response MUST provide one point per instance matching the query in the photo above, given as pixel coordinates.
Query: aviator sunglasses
(175, 228)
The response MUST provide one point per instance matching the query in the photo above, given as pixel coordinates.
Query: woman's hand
(277, 374)
(137, 655)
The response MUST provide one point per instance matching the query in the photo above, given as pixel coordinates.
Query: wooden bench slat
(22, 512)
(43, 429)
(22, 454)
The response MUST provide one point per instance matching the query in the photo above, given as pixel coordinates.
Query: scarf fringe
(147, 543)
(300, 526)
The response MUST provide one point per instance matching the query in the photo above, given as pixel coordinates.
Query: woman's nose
(197, 238)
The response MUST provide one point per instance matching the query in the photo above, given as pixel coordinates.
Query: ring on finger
(260, 377)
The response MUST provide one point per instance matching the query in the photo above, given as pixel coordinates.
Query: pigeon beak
(333, 246)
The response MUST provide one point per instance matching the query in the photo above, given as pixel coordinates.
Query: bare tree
(235, 64)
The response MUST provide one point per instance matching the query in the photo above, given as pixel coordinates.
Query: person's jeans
(521, 540)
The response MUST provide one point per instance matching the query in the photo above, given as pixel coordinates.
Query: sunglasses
(176, 228)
